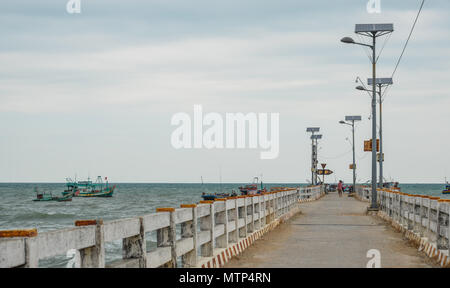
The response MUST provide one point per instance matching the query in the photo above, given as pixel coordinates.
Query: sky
(93, 93)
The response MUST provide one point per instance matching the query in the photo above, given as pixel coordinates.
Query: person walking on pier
(340, 188)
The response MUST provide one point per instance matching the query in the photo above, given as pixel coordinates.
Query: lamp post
(380, 83)
(352, 123)
(373, 31)
(314, 138)
(313, 130)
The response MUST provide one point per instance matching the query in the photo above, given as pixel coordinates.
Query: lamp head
(361, 88)
(348, 40)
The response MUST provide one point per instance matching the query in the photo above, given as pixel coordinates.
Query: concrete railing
(426, 215)
(185, 237)
(424, 219)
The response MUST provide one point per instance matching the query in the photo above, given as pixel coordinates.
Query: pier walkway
(332, 232)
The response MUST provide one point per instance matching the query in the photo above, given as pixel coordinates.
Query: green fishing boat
(89, 188)
(45, 196)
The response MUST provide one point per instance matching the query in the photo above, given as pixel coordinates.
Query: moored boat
(43, 196)
(215, 196)
(252, 189)
(447, 189)
(89, 188)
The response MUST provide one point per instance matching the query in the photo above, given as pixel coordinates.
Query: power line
(409, 37)
(406, 44)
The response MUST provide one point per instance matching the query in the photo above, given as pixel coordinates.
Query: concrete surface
(332, 232)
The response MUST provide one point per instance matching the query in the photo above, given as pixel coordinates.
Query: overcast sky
(94, 93)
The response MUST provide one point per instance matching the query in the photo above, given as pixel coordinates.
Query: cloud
(129, 62)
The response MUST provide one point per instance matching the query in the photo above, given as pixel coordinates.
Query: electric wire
(404, 47)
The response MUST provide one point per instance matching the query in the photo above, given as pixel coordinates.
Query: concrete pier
(332, 232)
(288, 227)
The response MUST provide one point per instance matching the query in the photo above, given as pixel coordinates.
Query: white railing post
(135, 247)
(441, 240)
(94, 257)
(31, 252)
(166, 237)
(250, 212)
(207, 224)
(222, 218)
(243, 215)
(189, 230)
(412, 205)
(420, 226)
(428, 216)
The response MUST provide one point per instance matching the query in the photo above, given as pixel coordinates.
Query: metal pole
(354, 167)
(312, 161)
(374, 126)
(315, 162)
(381, 141)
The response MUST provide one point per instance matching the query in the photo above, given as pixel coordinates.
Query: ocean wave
(43, 215)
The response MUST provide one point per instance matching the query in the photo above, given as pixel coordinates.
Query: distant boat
(43, 196)
(447, 188)
(89, 188)
(252, 189)
(217, 196)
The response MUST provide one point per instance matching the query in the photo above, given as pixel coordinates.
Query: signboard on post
(351, 166)
(324, 172)
(368, 145)
(378, 157)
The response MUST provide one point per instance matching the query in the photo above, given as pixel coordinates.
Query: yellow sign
(324, 172)
(368, 145)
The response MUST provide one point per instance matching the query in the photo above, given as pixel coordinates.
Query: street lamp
(352, 120)
(314, 138)
(380, 83)
(373, 31)
(313, 130)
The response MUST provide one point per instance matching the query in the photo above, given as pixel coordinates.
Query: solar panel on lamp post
(373, 31)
